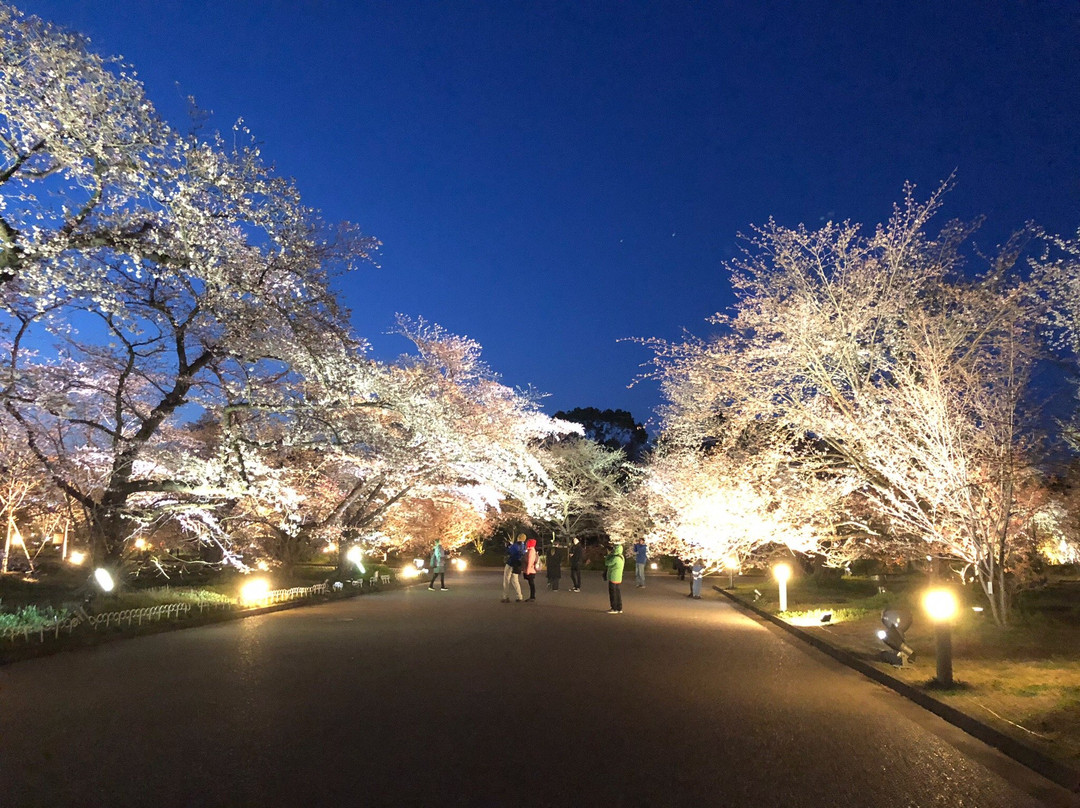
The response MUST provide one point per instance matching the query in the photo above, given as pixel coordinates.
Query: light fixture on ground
(896, 622)
(103, 578)
(356, 556)
(254, 591)
(942, 607)
(782, 572)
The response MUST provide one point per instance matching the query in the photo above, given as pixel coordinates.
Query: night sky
(550, 178)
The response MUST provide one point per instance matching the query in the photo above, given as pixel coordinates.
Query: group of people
(522, 560)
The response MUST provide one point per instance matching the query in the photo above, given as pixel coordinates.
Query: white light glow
(782, 573)
(104, 579)
(940, 604)
(254, 591)
(356, 556)
(77, 557)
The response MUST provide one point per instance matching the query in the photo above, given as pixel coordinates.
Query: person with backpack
(577, 558)
(613, 570)
(515, 551)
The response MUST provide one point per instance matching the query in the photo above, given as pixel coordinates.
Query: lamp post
(782, 572)
(941, 605)
(732, 564)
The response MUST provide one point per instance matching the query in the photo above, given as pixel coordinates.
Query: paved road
(452, 698)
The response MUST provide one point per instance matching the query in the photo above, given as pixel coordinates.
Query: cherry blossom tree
(907, 368)
(145, 274)
(436, 426)
(588, 482)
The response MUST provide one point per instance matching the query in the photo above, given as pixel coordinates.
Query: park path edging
(27, 652)
(1053, 770)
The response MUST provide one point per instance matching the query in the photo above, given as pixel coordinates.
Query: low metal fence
(52, 629)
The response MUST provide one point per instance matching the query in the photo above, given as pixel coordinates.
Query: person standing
(531, 559)
(613, 570)
(641, 558)
(554, 566)
(577, 558)
(697, 573)
(515, 551)
(437, 564)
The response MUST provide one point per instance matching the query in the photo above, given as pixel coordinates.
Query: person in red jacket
(531, 558)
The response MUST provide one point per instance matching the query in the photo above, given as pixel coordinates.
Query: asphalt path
(412, 697)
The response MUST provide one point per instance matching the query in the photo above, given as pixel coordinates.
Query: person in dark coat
(577, 559)
(554, 566)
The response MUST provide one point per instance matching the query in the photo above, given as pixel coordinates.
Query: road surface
(412, 697)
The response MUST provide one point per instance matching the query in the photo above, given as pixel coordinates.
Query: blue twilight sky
(551, 177)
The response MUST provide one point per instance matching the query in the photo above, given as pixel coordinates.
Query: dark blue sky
(551, 177)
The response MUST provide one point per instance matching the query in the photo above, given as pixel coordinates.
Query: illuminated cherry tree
(143, 272)
(908, 370)
(589, 482)
(434, 427)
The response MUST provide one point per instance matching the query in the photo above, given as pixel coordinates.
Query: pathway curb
(1053, 770)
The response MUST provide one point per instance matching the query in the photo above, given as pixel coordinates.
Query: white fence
(166, 611)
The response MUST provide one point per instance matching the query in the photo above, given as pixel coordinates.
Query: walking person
(613, 570)
(641, 558)
(697, 573)
(577, 558)
(554, 566)
(531, 560)
(515, 552)
(437, 565)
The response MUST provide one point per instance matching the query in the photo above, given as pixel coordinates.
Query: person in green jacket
(437, 565)
(613, 565)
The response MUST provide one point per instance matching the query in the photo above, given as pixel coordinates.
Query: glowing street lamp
(76, 557)
(782, 572)
(942, 607)
(732, 564)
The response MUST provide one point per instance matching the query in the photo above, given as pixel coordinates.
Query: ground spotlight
(826, 618)
(254, 591)
(356, 556)
(896, 622)
(104, 580)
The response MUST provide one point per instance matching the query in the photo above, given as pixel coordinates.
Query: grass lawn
(1023, 680)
